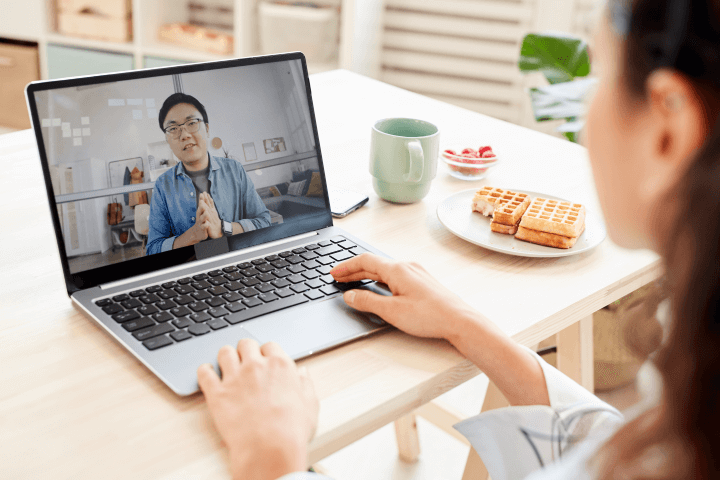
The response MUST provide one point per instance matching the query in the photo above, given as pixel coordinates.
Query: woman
(654, 144)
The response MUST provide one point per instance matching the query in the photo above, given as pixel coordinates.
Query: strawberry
(468, 150)
(488, 154)
(450, 152)
(482, 150)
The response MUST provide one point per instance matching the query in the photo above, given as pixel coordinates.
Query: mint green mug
(403, 158)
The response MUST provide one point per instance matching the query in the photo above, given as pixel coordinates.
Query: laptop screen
(187, 160)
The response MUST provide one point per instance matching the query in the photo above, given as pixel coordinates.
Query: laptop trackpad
(302, 330)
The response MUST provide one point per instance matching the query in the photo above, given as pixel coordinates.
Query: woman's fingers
(366, 301)
(208, 380)
(228, 361)
(363, 266)
(275, 350)
(249, 350)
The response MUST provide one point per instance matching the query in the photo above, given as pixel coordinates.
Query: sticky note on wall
(46, 122)
(116, 102)
(77, 141)
(85, 120)
(86, 132)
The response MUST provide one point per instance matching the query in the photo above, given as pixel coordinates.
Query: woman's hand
(264, 407)
(420, 305)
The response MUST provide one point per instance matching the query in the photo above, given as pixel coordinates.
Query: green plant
(563, 60)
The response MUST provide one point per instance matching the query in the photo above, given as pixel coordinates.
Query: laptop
(191, 210)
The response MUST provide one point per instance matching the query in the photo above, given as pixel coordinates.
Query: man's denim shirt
(174, 203)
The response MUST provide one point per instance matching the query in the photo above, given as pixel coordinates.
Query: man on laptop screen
(204, 196)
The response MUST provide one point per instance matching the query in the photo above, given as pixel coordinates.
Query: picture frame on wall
(274, 145)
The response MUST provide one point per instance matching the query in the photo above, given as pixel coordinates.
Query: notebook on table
(191, 210)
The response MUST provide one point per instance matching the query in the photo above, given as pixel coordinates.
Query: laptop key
(198, 329)
(154, 289)
(312, 246)
(153, 331)
(180, 335)
(309, 255)
(200, 295)
(200, 317)
(264, 268)
(234, 276)
(198, 306)
(264, 287)
(295, 259)
(296, 268)
(310, 264)
(280, 282)
(338, 239)
(248, 292)
(268, 297)
(232, 297)
(329, 289)
(358, 251)
(281, 273)
(183, 299)
(133, 325)
(258, 261)
(230, 269)
(280, 263)
(310, 274)
(161, 317)
(316, 283)
(218, 280)
(112, 309)
(146, 310)
(217, 324)
(185, 281)
(266, 277)
(314, 295)
(165, 294)
(284, 292)
(215, 273)
(341, 256)
(137, 293)
(184, 289)
(217, 290)
(167, 285)
(249, 282)
(244, 265)
(299, 288)
(215, 301)
(165, 304)
(297, 278)
(325, 243)
(299, 250)
(264, 308)
(200, 276)
(347, 244)
(180, 311)
(201, 285)
(132, 303)
(325, 260)
(327, 278)
(125, 316)
(328, 250)
(285, 254)
(324, 269)
(105, 302)
(218, 312)
(157, 342)
(182, 322)
(232, 286)
(234, 307)
(272, 258)
(252, 302)
(250, 272)
(121, 298)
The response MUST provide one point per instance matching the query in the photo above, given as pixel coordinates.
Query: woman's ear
(678, 125)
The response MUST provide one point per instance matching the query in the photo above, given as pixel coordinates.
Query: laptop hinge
(198, 263)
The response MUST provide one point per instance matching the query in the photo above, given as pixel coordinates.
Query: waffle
(510, 207)
(545, 238)
(506, 229)
(485, 198)
(551, 216)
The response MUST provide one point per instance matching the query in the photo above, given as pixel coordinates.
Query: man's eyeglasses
(192, 126)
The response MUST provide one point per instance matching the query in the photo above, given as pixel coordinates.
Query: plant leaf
(560, 57)
(562, 100)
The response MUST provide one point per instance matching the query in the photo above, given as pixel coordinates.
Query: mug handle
(417, 162)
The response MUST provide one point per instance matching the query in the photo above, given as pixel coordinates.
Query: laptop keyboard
(188, 307)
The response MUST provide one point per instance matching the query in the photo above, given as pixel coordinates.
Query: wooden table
(75, 404)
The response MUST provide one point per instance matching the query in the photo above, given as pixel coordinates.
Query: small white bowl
(468, 168)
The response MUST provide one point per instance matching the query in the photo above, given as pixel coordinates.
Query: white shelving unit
(34, 20)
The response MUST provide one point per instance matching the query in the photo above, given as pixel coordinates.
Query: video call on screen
(125, 186)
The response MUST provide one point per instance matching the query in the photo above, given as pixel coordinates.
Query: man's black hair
(176, 99)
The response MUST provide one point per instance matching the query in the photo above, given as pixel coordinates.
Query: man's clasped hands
(207, 219)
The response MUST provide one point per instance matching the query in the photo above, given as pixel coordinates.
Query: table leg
(575, 355)
(407, 438)
(474, 467)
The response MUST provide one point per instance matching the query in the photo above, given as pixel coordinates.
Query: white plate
(455, 212)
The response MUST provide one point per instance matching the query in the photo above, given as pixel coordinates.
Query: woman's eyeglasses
(192, 126)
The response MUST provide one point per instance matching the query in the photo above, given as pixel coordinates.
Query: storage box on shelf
(198, 38)
(109, 20)
(18, 67)
(291, 26)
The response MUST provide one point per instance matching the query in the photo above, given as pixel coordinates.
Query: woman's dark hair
(688, 421)
(176, 99)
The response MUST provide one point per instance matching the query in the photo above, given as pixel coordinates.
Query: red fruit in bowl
(450, 152)
(468, 150)
(489, 154)
(482, 150)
